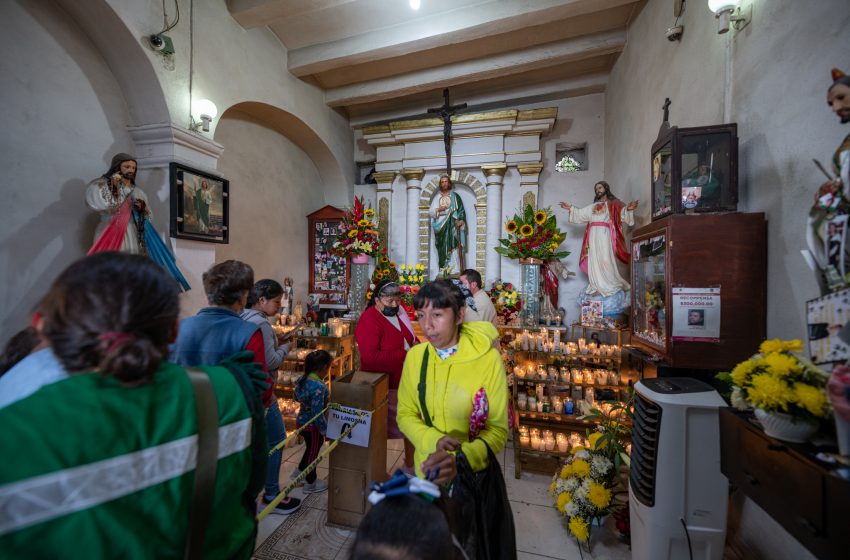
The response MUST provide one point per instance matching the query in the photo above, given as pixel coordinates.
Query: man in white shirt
(484, 307)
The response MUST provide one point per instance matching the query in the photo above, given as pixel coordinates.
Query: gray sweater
(275, 353)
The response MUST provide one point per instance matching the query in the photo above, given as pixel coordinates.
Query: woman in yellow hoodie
(465, 389)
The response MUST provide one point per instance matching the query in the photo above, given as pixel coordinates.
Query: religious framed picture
(199, 205)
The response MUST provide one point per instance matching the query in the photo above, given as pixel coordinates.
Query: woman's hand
(448, 443)
(441, 464)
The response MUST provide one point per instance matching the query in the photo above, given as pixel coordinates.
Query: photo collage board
(329, 270)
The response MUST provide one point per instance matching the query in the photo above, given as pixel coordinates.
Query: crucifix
(446, 112)
(666, 108)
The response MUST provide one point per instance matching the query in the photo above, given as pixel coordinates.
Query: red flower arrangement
(358, 234)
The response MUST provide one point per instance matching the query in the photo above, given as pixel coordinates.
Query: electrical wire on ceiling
(166, 26)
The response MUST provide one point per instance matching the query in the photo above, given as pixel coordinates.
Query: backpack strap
(422, 373)
(206, 406)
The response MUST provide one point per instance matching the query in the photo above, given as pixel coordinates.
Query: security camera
(162, 44)
(674, 33)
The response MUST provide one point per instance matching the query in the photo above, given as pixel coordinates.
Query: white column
(529, 183)
(414, 190)
(495, 174)
(384, 205)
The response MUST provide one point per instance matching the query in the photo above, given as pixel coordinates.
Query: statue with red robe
(603, 243)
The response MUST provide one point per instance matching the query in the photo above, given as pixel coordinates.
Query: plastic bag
(483, 513)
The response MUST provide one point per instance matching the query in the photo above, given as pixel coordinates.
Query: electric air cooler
(677, 494)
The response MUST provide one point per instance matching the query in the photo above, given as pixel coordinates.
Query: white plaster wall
(580, 119)
(273, 186)
(232, 65)
(63, 118)
(778, 71)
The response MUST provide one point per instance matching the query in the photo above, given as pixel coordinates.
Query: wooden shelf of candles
(555, 382)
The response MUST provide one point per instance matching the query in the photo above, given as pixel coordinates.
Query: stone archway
(480, 226)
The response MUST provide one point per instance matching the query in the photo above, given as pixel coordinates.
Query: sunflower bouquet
(532, 234)
(779, 380)
(358, 234)
(587, 486)
(384, 270)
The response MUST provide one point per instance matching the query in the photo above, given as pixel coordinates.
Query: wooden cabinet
(329, 273)
(725, 251)
(811, 501)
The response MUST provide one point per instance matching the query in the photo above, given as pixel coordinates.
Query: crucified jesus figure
(446, 112)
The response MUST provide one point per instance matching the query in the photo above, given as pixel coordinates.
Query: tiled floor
(541, 531)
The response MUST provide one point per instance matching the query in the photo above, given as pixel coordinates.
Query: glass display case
(649, 313)
(722, 258)
(695, 170)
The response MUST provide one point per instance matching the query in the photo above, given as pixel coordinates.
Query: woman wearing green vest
(112, 473)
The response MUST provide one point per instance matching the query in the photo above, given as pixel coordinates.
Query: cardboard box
(353, 468)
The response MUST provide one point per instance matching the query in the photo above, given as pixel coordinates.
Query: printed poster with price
(696, 314)
(341, 418)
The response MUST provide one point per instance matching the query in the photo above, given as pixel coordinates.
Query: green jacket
(450, 386)
(92, 469)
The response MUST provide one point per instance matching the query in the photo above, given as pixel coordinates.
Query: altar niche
(474, 196)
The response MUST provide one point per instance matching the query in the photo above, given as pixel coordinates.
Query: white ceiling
(379, 59)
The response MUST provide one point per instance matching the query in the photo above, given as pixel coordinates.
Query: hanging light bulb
(414, 4)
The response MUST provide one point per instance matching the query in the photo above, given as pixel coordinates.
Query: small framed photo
(199, 205)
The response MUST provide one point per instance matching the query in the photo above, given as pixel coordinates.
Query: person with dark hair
(383, 338)
(84, 483)
(404, 527)
(27, 364)
(463, 375)
(217, 332)
(603, 243)
(484, 308)
(125, 217)
(313, 395)
(264, 302)
(22, 344)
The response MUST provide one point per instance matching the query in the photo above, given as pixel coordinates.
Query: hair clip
(400, 484)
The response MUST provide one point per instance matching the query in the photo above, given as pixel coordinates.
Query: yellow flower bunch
(778, 379)
(532, 233)
(586, 487)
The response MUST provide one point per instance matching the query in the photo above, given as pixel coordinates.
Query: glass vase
(529, 288)
(359, 287)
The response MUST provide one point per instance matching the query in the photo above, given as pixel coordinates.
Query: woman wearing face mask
(384, 336)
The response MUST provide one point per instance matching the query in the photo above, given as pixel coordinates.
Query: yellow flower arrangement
(369, 212)
(385, 259)
(532, 233)
(587, 486)
(352, 234)
(363, 223)
(778, 379)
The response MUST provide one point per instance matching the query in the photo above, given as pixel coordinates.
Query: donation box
(357, 461)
